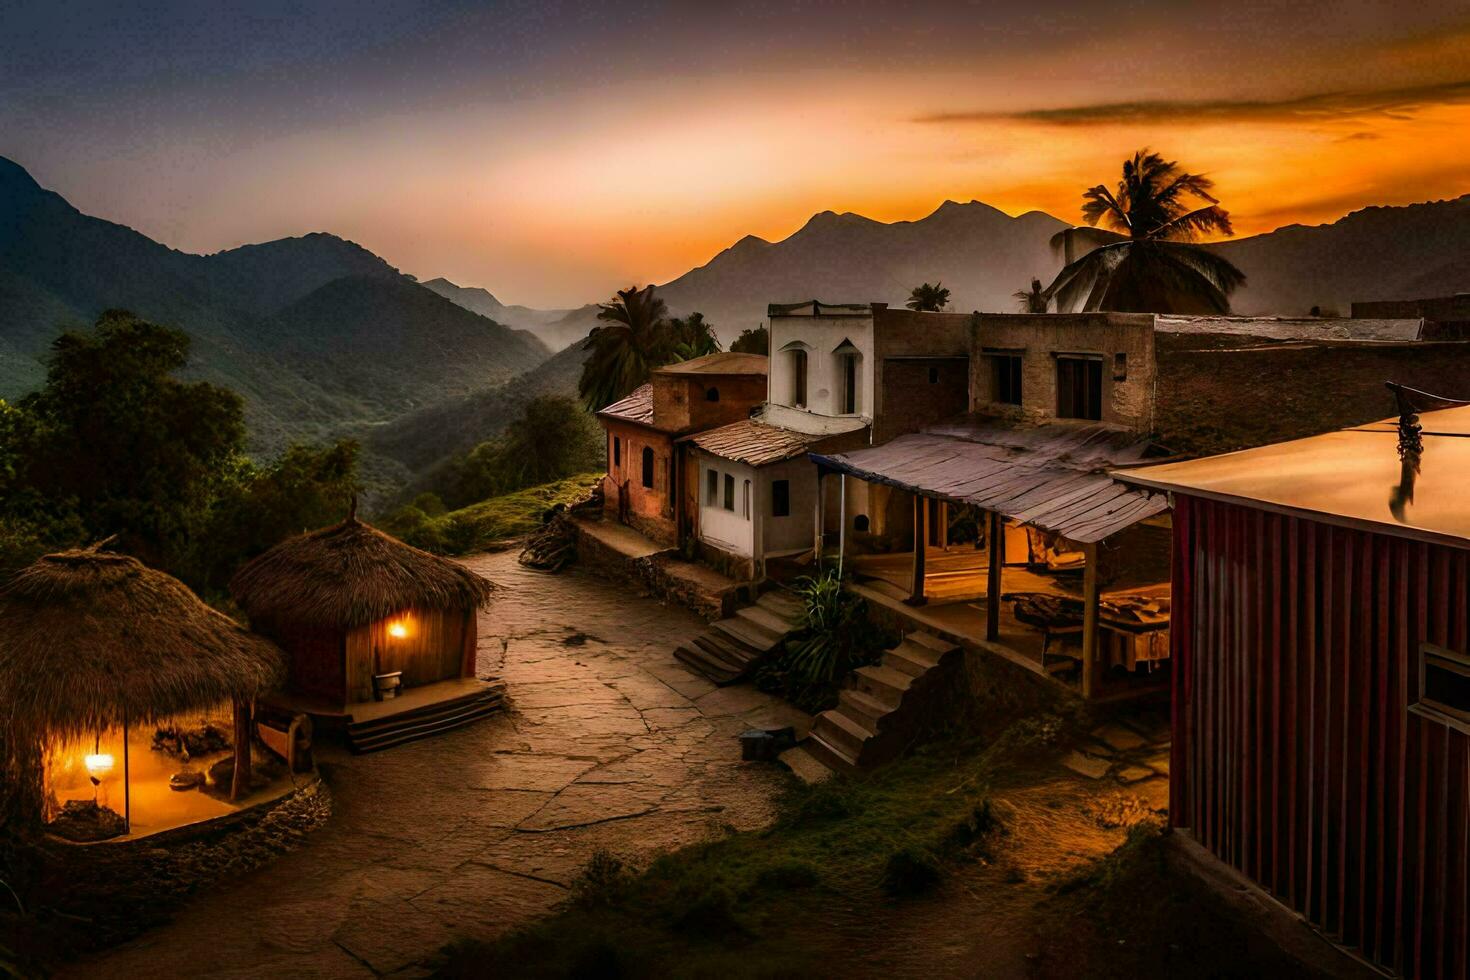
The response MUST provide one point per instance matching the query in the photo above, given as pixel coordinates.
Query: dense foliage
(836, 636)
(115, 445)
(928, 298)
(635, 336)
(1142, 259)
(756, 340)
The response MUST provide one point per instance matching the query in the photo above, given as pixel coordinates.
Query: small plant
(603, 881)
(708, 911)
(911, 870)
(835, 637)
(971, 833)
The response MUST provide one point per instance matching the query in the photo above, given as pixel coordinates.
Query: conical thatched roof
(348, 575)
(89, 638)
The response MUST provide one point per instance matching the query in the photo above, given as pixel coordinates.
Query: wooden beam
(240, 784)
(1089, 620)
(819, 518)
(996, 534)
(921, 544)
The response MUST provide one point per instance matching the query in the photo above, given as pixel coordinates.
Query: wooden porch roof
(1054, 477)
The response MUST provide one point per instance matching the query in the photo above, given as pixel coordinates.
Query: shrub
(788, 876)
(835, 637)
(974, 828)
(603, 881)
(708, 909)
(911, 870)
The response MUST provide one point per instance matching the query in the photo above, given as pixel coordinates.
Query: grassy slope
(512, 515)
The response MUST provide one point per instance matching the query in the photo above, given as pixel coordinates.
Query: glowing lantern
(99, 765)
(397, 630)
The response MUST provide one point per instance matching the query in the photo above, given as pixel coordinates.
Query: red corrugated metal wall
(1295, 758)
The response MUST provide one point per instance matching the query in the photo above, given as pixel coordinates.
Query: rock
(1119, 738)
(1134, 774)
(1086, 765)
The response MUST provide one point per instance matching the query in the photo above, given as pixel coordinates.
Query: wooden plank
(916, 584)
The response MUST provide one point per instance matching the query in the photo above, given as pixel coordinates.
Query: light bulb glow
(98, 765)
(397, 630)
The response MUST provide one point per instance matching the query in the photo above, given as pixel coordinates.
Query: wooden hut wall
(432, 651)
(1295, 757)
(316, 660)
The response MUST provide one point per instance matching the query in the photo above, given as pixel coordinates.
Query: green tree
(756, 340)
(116, 439)
(928, 298)
(631, 341)
(1144, 259)
(554, 437)
(693, 337)
(1033, 300)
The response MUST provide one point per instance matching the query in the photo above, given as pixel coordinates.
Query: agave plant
(1144, 260)
(832, 617)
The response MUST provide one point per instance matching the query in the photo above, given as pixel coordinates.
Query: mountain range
(323, 338)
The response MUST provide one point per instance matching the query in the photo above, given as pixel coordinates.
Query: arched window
(849, 391)
(798, 378)
(712, 395)
(648, 467)
(860, 523)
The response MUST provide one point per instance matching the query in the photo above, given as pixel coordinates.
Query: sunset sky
(554, 151)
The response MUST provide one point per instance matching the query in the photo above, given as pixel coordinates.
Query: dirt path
(608, 743)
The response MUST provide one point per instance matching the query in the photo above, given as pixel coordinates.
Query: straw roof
(348, 575)
(89, 639)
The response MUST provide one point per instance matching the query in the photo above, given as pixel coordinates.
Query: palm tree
(928, 299)
(693, 337)
(633, 339)
(1144, 260)
(1033, 301)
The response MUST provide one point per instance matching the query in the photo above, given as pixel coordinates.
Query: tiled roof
(755, 443)
(1053, 477)
(724, 362)
(637, 407)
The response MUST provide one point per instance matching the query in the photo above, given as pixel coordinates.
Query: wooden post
(1089, 620)
(993, 583)
(944, 524)
(921, 543)
(819, 518)
(241, 781)
(127, 783)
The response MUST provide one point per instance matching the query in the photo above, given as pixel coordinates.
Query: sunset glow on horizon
(574, 151)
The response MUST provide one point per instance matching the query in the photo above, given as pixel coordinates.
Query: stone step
(882, 683)
(765, 619)
(842, 732)
(723, 648)
(491, 696)
(804, 765)
(707, 666)
(828, 755)
(783, 604)
(937, 644)
(757, 637)
(864, 707)
(911, 658)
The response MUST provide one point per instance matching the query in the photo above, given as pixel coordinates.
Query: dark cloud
(1323, 107)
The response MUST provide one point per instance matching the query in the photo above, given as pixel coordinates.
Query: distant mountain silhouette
(318, 334)
(482, 301)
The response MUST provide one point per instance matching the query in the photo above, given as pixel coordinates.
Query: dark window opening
(934, 376)
(1006, 382)
(647, 467)
(1079, 388)
(798, 375)
(729, 492)
(1444, 682)
(780, 498)
(745, 502)
(860, 523)
(712, 395)
(711, 488)
(1120, 366)
(617, 451)
(849, 385)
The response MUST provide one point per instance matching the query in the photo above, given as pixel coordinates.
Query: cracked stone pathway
(608, 742)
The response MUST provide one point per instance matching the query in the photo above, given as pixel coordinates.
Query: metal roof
(722, 362)
(1353, 476)
(755, 443)
(1054, 477)
(637, 407)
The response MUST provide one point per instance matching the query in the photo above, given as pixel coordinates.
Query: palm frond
(1192, 225)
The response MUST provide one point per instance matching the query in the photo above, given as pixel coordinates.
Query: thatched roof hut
(349, 575)
(360, 613)
(90, 640)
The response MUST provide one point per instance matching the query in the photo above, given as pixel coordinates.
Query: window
(712, 395)
(1120, 366)
(849, 384)
(729, 493)
(617, 452)
(860, 523)
(648, 467)
(780, 498)
(798, 378)
(1005, 382)
(1079, 388)
(934, 376)
(745, 502)
(1444, 684)
(711, 488)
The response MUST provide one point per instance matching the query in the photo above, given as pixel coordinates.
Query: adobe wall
(650, 511)
(907, 346)
(681, 403)
(1124, 342)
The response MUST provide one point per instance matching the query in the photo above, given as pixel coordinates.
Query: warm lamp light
(397, 630)
(99, 765)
